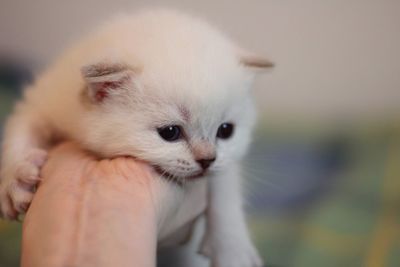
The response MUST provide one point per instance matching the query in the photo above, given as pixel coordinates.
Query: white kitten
(160, 86)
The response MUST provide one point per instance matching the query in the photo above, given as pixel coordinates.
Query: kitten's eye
(225, 130)
(170, 133)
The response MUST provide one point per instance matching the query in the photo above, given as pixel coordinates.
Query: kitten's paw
(240, 254)
(18, 185)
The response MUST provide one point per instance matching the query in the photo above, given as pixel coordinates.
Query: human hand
(89, 212)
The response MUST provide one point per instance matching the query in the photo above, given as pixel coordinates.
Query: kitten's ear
(254, 62)
(105, 79)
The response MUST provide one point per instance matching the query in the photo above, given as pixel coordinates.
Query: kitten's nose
(205, 163)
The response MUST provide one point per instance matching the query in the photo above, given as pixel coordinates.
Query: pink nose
(205, 163)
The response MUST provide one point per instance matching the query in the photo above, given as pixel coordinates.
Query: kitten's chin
(191, 177)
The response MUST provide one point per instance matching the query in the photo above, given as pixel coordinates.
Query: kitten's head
(175, 93)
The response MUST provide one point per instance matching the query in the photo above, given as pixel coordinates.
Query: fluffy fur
(113, 91)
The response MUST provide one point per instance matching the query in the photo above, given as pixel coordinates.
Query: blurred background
(323, 176)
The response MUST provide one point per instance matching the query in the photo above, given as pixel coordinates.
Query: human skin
(90, 212)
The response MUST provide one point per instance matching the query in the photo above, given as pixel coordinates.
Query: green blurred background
(323, 175)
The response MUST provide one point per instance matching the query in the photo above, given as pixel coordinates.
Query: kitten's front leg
(227, 241)
(25, 137)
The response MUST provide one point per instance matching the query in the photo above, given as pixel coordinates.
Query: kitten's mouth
(169, 175)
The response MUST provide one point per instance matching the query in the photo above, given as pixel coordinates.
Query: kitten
(160, 86)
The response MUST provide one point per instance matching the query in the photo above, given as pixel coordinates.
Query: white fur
(175, 61)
